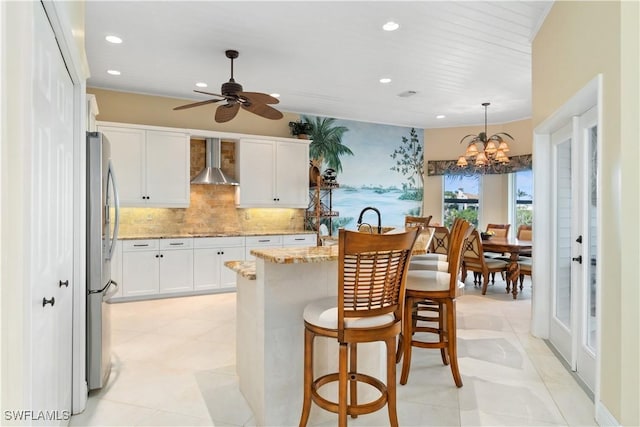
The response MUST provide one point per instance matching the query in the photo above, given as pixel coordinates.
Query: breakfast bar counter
(270, 329)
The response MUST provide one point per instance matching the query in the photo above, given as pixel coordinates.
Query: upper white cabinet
(152, 166)
(272, 173)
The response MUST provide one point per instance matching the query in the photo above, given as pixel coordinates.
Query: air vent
(407, 93)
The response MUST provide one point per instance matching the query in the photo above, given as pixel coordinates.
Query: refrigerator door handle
(110, 290)
(116, 201)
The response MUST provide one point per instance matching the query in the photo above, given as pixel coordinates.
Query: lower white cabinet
(209, 256)
(176, 265)
(260, 242)
(154, 266)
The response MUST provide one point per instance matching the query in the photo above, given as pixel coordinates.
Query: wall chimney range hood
(212, 174)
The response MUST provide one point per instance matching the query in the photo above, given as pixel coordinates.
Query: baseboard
(604, 417)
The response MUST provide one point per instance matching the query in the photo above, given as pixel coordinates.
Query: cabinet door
(167, 169)
(140, 273)
(292, 174)
(228, 276)
(176, 270)
(128, 157)
(206, 269)
(256, 173)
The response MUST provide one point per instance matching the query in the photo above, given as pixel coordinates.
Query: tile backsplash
(212, 208)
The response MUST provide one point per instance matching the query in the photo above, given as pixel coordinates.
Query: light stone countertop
(246, 269)
(210, 234)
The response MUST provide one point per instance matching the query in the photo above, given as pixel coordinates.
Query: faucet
(360, 224)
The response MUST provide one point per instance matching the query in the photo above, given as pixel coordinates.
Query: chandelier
(485, 151)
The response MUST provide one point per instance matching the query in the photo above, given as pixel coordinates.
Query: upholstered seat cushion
(525, 265)
(429, 257)
(324, 313)
(433, 265)
(493, 263)
(428, 280)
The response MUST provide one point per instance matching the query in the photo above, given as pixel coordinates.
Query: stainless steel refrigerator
(102, 233)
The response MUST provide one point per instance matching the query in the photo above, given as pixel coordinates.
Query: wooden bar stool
(372, 271)
(434, 292)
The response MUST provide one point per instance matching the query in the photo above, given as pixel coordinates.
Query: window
(461, 198)
(523, 197)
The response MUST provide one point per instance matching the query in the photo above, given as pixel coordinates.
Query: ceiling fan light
(462, 162)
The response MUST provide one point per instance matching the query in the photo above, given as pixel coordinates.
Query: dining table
(514, 247)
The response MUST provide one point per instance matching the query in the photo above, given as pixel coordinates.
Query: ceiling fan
(232, 92)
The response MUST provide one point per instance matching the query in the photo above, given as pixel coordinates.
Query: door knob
(578, 259)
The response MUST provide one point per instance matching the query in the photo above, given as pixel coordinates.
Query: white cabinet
(260, 242)
(272, 173)
(290, 240)
(152, 166)
(156, 266)
(210, 254)
(140, 269)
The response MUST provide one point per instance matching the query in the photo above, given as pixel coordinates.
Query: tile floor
(174, 366)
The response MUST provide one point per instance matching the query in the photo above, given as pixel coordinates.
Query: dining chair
(473, 259)
(525, 232)
(372, 271)
(525, 264)
(438, 248)
(434, 292)
(499, 230)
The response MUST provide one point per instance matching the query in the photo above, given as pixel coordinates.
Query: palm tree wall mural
(368, 174)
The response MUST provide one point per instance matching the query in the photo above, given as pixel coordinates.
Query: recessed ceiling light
(390, 26)
(113, 72)
(113, 39)
(440, 116)
(201, 84)
(275, 95)
(385, 80)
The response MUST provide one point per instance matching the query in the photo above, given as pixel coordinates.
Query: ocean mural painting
(385, 172)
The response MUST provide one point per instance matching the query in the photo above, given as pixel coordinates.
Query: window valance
(449, 167)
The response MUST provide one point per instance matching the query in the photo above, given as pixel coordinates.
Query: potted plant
(300, 129)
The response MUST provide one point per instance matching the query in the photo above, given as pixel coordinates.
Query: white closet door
(51, 204)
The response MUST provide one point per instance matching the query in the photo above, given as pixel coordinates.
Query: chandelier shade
(483, 151)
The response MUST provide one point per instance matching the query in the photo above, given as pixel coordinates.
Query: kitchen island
(270, 330)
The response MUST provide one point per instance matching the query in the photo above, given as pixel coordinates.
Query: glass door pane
(591, 310)
(563, 232)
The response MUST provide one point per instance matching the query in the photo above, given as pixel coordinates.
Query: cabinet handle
(140, 245)
(299, 238)
(65, 283)
(264, 241)
(51, 301)
(176, 244)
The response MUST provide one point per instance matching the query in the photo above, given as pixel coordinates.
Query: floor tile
(174, 364)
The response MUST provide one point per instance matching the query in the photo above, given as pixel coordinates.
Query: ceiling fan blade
(209, 93)
(259, 97)
(197, 104)
(226, 112)
(263, 110)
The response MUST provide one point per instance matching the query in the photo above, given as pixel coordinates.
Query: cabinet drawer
(263, 240)
(217, 242)
(140, 245)
(299, 240)
(176, 244)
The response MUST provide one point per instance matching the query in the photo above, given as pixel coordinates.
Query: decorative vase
(303, 136)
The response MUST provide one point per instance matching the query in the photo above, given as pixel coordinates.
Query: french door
(573, 322)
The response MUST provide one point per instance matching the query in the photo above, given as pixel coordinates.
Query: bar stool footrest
(353, 410)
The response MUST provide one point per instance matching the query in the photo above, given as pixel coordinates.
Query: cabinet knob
(157, 256)
(64, 283)
(51, 301)
(161, 256)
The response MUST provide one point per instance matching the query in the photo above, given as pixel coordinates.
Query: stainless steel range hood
(212, 174)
